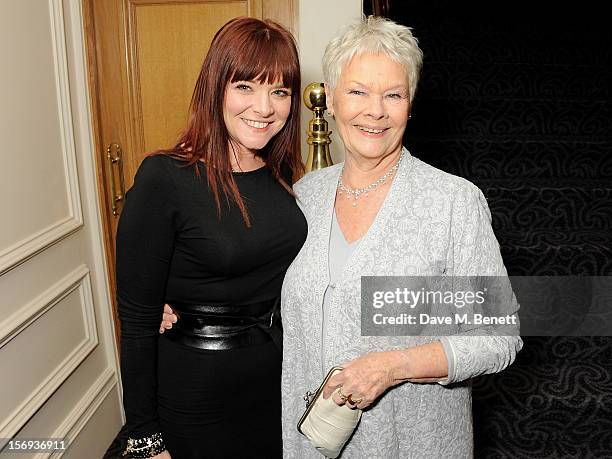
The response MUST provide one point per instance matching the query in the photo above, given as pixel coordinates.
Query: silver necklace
(356, 192)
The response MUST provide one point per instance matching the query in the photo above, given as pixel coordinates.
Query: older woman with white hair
(383, 212)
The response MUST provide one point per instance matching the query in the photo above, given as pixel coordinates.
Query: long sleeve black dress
(173, 248)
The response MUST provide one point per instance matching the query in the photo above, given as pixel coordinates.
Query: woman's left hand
(366, 378)
(169, 317)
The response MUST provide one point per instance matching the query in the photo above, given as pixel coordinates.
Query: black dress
(173, 248)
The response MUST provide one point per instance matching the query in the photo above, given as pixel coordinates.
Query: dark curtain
(516, 96)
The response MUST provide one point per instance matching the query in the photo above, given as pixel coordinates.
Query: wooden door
(144, 58)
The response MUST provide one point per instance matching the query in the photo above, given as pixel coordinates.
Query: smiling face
(254, 112)
(371, 106)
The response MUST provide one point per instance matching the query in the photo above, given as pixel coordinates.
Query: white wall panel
(318, 22)
(38, 181)
(43, 343)
(90, 443)
(54, 298)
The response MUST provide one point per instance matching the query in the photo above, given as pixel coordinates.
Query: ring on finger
(343, 397)
(353, 402)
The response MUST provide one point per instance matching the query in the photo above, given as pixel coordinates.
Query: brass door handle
(114, 155)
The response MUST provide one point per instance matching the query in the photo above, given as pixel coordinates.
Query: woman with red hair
(210, 226)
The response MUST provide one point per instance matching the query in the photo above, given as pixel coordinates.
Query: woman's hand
(168, 319)
(163, 455)
(366, 378)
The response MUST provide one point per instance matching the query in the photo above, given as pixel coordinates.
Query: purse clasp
(308, 397)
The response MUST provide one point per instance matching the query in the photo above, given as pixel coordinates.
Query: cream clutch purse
(328, 426)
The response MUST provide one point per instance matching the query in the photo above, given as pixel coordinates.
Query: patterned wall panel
(517, 97)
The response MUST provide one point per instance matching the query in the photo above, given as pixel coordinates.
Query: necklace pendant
(355, 203)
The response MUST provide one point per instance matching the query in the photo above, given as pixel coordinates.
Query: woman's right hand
(168, 319)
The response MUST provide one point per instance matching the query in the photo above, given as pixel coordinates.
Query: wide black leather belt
(221, 327)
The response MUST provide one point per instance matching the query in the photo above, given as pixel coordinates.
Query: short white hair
(373, 35)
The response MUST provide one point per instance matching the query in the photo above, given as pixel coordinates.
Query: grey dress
(431, 223)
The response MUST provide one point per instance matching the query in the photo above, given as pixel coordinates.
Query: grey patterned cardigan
(431, 223)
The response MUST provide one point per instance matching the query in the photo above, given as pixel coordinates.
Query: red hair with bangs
(244, 49)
